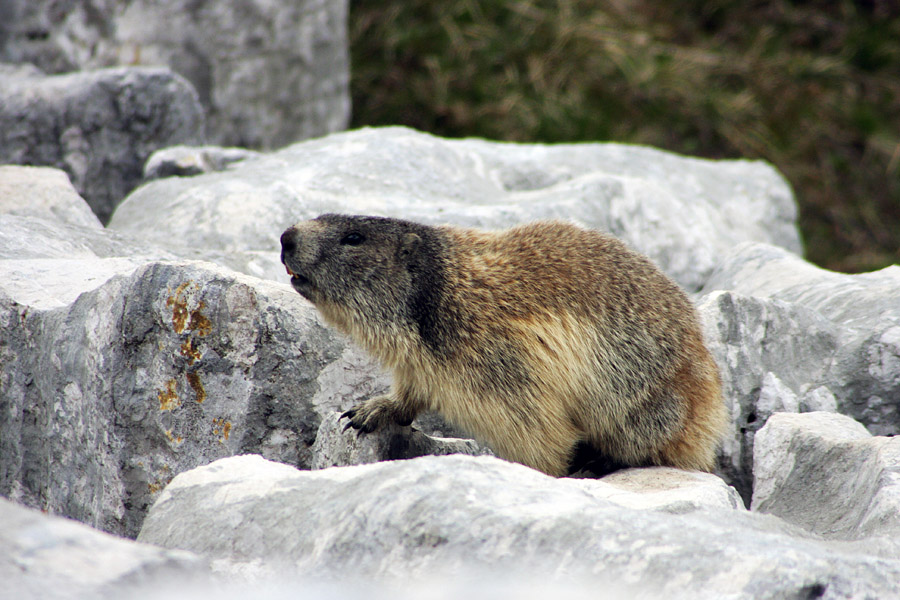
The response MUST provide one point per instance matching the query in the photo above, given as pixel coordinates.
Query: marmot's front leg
(374, 413)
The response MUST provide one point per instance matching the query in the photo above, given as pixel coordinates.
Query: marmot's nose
(288, 241)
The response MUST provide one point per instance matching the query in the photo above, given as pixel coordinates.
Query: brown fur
(536, 339)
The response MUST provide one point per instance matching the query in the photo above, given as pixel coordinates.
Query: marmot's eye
(352, 239)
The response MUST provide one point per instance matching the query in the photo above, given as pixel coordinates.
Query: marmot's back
(535, 339)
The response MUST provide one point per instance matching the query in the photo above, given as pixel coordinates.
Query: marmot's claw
(361, 428)
(349, 416)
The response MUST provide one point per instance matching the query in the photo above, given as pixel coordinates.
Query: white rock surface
(682, 212)
(664, 489)
(826, 473)
(49, 558)
(792, 337)
(449, 517)
(49, 193)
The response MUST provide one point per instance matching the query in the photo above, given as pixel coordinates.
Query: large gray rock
(44, 193)
(49, 558)
(863, 371)
(826, 473)
(99, 126)
(448, 517)
(791, 337)
(682, 212)
(268, 73)
(161, 368)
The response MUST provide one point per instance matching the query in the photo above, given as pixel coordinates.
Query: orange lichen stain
(163, 479)
(223, 427)
(168, 399)
(197, 385)
(173, 439)
(189, 351)
(179, 307)
(199, 322)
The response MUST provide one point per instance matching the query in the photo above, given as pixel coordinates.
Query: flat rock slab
(440, 517)
(826, 473)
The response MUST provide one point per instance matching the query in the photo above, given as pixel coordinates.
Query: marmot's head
(363, 271)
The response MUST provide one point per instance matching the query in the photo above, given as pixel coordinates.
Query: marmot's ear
(409, 245)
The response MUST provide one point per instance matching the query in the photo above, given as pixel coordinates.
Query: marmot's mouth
(297, 280)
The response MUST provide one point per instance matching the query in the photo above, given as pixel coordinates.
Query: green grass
(812, 87)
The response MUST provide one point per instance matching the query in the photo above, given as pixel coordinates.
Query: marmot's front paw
(368, 416)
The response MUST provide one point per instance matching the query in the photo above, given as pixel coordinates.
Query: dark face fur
(364, 264)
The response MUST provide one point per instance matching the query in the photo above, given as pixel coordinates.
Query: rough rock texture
(683, 212)
(267, 72)
(50, 558)
(442, 516)
(825, 472)
(99, 126)
(161, 368)
(184, 161)
(791, 337)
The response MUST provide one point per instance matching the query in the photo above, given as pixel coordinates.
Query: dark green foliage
(813, 87)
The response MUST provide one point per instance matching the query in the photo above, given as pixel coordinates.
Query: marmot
(539, 340)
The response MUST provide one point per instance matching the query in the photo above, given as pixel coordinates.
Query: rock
(683, 212)
(43, 193)
(99, 126)
(664, 489)
(792, 337)
(185, 161)
(50, 558)
(336, 447)
(163, 367)
(444, 518)
(770, 354)
(826, 473)
(267, 73)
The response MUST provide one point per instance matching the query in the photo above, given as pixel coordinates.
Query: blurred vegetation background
(812, 87)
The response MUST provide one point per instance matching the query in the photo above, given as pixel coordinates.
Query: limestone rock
(449, 517)
(110, 392)
(185, 161)
(682, 212)
(825, 472)
(664, 489)
(862, 370)
(267, 73)
(44, 193)
(50, 558)
(791, 337)
(99, 126)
